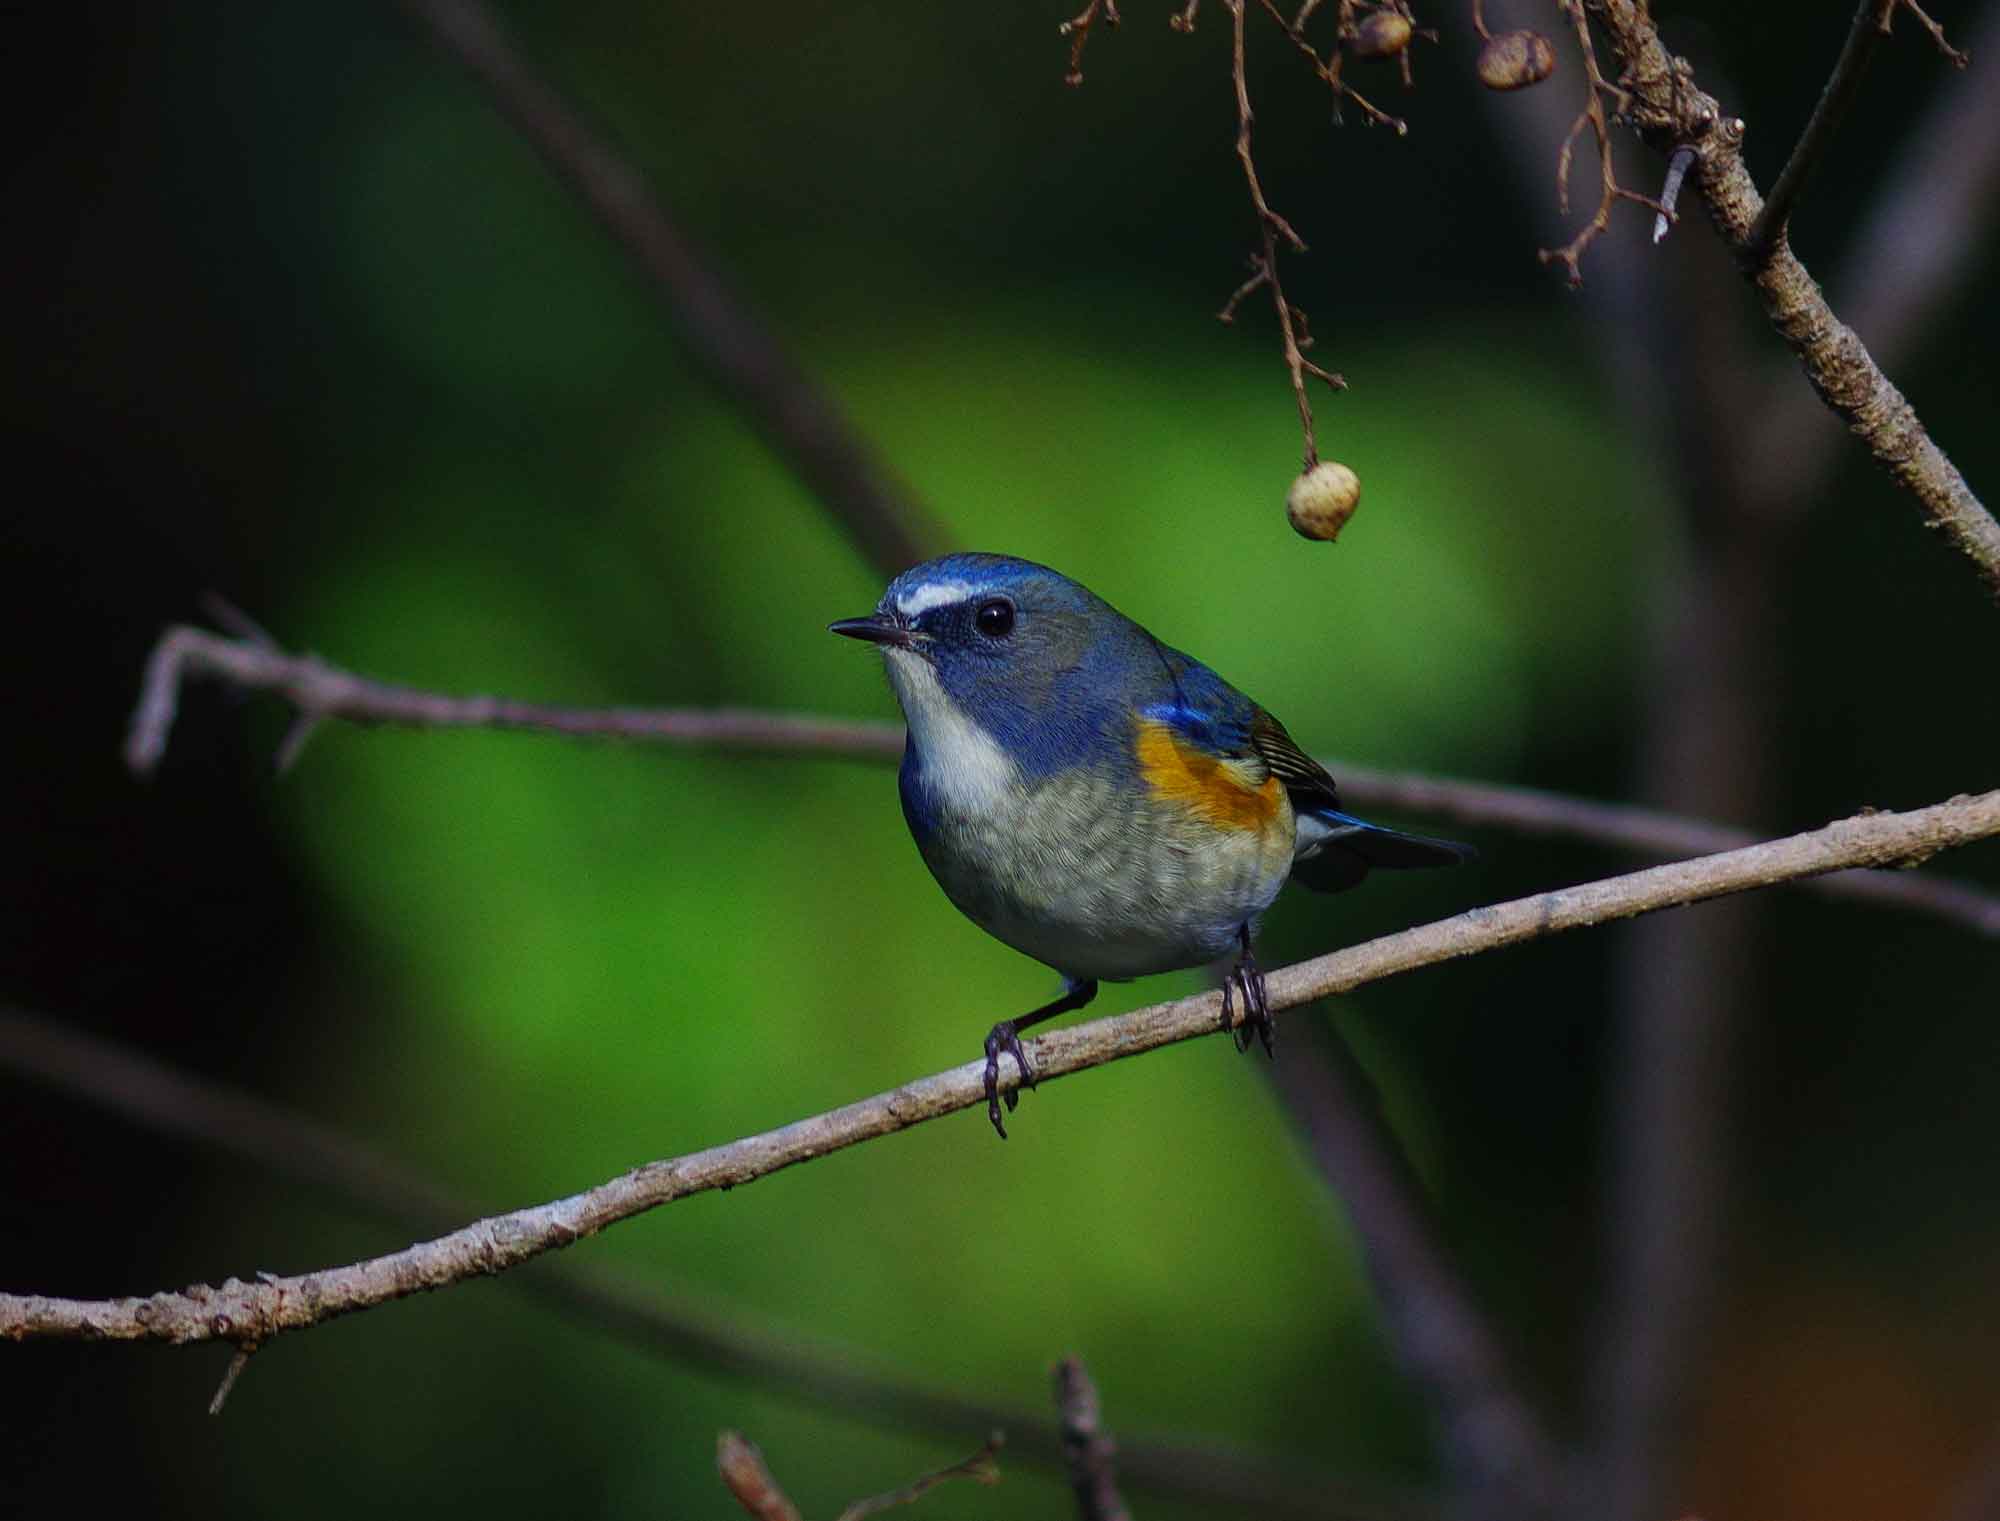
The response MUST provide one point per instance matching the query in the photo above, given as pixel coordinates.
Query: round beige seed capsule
(1383, 35)
(1322, 500)
(1515, 60)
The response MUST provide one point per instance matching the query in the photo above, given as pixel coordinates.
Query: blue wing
(1335, 849)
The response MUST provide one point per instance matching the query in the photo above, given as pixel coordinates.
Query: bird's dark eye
(994, 618)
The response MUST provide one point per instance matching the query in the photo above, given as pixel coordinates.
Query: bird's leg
(1006, 1036)
(1256, 1002)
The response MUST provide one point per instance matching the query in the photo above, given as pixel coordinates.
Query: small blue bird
(1096, 800)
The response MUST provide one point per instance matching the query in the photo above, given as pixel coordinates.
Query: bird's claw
(1257, 1021)
(1005, 1038)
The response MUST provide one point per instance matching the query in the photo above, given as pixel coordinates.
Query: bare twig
(237, 1311)
(980, 1468)
(1610, 192)
(749, 1479)
(638, 1311)
(1915, 247)
(1495, 1448)
(1088, 1451)
(1270, 227)
(1328, 67)
(1869, 31)
(1077, 29)
(1952, 55)
(319, 691)
(1667, 107)
(746, 1476)
(799, 420)
(244, 1352)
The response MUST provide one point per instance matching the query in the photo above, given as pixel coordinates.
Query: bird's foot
(1257, 1022)
(1005, 1037)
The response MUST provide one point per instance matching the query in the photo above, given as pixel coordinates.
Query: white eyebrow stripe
(933, 594)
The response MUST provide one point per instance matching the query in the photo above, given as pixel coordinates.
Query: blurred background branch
(364, 354)
(800, 421)
(319, 691)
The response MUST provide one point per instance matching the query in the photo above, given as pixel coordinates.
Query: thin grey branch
(321, 691)
(637, 1311)
(238, 1312)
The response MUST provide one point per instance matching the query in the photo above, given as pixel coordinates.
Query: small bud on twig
(1515, 60)
(1322, 500)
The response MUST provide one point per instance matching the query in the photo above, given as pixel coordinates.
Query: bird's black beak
(876, 628)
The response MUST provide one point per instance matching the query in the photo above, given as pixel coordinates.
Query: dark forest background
(294, 319)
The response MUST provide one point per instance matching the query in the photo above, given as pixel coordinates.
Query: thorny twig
(1592, 116)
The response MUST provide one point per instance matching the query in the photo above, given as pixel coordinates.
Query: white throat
(964, 766)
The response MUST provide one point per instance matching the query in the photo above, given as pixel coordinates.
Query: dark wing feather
(1310, 784)
(1349, 847)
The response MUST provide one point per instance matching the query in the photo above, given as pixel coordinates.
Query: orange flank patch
(1210, 787)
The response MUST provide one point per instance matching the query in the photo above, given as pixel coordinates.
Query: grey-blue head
(1019, 650)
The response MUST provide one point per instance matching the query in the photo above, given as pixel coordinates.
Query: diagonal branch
(1494, 1446)
(1913, 252)
(639, 1312)
(258, 1312)
(320, 691)
(1671, 112)
(800, 422)
(1870, 29)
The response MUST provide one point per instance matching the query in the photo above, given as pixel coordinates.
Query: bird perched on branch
(1095, 799)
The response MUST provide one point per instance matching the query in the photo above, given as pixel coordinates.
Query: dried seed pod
(1322, 500)
(1383, 34)
(1515, 60)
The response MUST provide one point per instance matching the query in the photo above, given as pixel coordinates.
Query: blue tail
(1336, 850)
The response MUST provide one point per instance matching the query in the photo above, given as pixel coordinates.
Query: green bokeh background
(306, 325)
